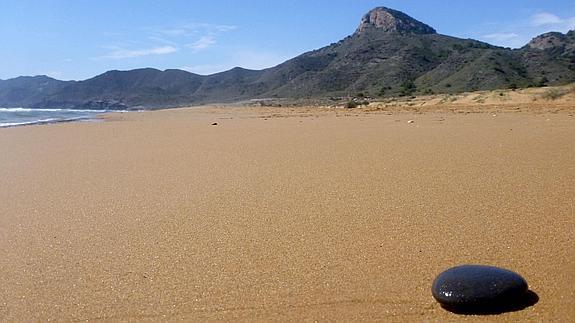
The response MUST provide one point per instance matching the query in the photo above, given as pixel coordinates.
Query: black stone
(476, 289)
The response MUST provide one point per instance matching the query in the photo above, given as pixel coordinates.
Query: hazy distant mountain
(389, 54)
(27, 90)
(123, 89)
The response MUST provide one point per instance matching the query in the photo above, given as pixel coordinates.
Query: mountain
(389, 54)
(125, 89)
(25, 91)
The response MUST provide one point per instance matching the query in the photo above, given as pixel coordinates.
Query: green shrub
(542, 82)
(407, 88)
(351, 105)
(383, 90)
(355, 103)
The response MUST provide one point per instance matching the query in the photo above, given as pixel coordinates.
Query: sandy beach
(283, 214)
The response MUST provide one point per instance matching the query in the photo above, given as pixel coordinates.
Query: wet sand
(282, 214)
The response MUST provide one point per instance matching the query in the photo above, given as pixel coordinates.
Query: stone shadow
(529, 299)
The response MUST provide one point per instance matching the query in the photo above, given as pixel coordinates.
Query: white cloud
(191, 30)
(224, 28)
(163, 41)
(167, 40)
(545, 19)
(254, 60)
(204, 42)
(500, 37)
(173, 32)
(122, 53)
(517, 33)
(204, 27)
(195, 36)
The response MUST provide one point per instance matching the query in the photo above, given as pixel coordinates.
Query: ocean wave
(54, 110)
(14, 124)
(42, 121)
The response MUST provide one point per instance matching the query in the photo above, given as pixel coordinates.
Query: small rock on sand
(477, 288)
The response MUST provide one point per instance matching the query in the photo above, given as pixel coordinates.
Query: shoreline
(53, 116)
(531, 100)
(48, 121)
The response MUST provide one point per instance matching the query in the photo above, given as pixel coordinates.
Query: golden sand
(282, 214)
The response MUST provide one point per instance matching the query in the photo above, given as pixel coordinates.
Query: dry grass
(556, 93)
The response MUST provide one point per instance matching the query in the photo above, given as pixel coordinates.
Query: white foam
(52, 110)
(28, 110)
(43, 121)
(14, 124)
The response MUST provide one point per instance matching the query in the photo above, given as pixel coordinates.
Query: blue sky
(79, 39)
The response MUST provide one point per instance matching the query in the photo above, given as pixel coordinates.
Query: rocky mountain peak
(389, 20)
(548, 40)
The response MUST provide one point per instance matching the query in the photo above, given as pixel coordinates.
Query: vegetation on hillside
(375, 62)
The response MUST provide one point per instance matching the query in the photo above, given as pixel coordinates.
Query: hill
(389, 54)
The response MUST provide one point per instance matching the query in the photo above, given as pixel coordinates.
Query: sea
(13, 117)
